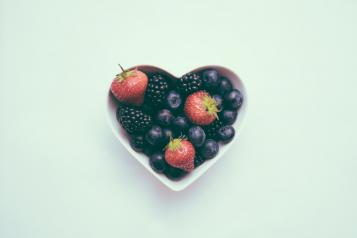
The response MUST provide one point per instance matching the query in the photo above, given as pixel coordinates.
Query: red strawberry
(201, 108)
(129, 86)
(180, 153)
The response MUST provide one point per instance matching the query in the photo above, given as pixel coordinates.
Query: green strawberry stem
(211, 106)
(174, 144)
(124, 74)
(122, 69)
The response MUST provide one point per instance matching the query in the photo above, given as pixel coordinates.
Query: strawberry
(129, 86)
(201, 108)
(180, 153)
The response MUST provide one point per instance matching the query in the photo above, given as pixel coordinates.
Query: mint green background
(292, 173)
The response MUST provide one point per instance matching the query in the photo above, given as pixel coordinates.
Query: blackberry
(189, 83)
(133, 120)
(157, 89)
(198, 160)
(212, 129)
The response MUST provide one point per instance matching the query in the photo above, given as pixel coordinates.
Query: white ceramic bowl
(121, 135)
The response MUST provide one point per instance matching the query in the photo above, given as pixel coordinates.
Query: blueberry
(174, 173)
(137, 142)
(210, 79)
(167, 135)
(228, 116)
(157, 162)
(173, 100)
(209, 149)
(197, 136)
(226, 134)
(154, 136)
(219, 101)
(233, 99)
(164, 117)
(224, 86)
(180, 124)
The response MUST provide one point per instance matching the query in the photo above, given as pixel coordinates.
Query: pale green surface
(292, 173)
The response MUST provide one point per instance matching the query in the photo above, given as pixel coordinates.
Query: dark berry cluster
(162, 117)
(156, 90)
(189, 83)
(133, 120)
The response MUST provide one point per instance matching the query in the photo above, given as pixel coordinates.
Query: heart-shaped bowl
(123, 138)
